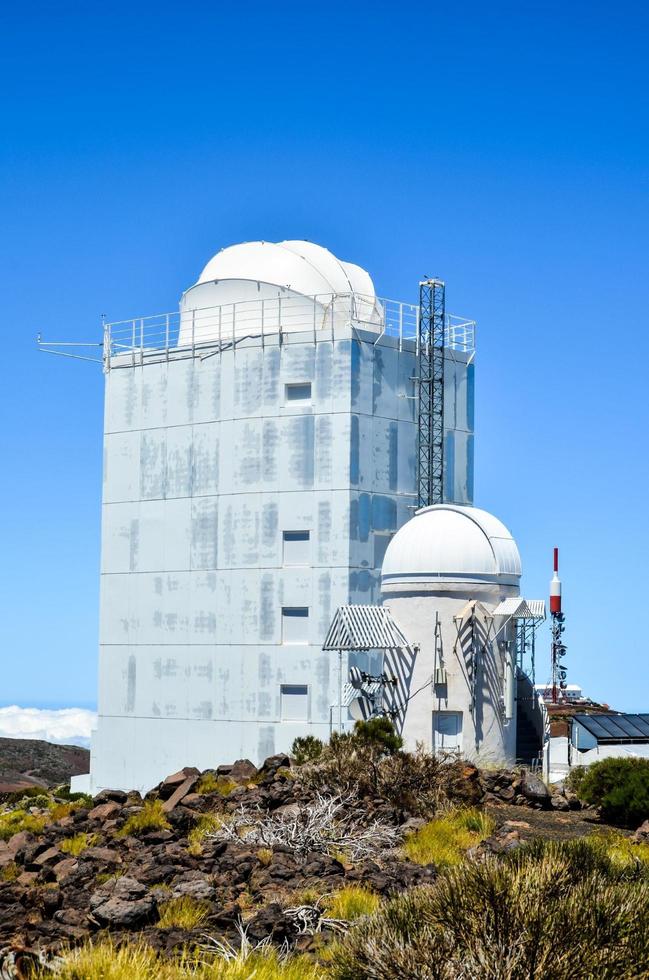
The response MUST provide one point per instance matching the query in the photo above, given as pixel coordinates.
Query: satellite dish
(359, 709)
(355, 678)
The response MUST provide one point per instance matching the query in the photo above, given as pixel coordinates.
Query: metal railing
(216, 328)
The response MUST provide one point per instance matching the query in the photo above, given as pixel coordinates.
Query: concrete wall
(207, 462)
(488, 736)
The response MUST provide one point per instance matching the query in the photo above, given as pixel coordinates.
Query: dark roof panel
(614, 727)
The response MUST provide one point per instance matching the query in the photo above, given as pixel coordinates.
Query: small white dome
(448, 543)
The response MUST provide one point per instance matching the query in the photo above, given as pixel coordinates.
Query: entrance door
(447, 731)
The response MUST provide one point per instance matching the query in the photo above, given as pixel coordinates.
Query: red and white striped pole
(558, 646)
(555, 586)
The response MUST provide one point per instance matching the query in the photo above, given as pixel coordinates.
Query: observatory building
(448, 578)
(260, 451)
(453, 632)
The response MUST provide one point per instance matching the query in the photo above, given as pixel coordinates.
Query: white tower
(260, 450)
(446, 578)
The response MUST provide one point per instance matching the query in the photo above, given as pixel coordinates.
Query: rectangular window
(447, 731)
(294, 702)
(298, 393)
(296, 548)
(295, 624)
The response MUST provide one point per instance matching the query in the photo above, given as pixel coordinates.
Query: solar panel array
(616, 728)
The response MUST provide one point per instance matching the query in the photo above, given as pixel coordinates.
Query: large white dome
(448, 543)
(302, 267)
(259, 287)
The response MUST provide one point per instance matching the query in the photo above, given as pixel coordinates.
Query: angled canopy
(364, 628)
(516, 608)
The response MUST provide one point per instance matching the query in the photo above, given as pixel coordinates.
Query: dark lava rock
(533, 788)
(242, 771)
(110, 796)
(641, 835)
(122, 902)
(272, 922)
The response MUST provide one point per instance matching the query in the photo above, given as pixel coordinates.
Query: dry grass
(13, 821)
(183, 913)
(207, 824)
(351, 903)
(150, 817)
(78, 844)
(137, 961)
(445, 840)
(211, 783)
(10, 872)
(265, 855)
(620, 850)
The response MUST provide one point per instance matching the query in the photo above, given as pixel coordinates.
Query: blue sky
(503, 147)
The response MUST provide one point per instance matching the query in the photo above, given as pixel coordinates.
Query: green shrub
(554, 909)
(63, 793)
(620, 787)
(379, 733)
(150, 817)
(306, 748)
(575, 778)
(414, 781)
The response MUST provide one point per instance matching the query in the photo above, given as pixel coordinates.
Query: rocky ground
(114, 864)
(28, 762)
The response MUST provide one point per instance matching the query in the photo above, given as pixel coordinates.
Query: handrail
(217, 326)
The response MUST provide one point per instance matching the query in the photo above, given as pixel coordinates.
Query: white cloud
(65, 726)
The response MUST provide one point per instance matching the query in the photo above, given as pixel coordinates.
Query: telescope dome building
(450, 578)
(260, 451)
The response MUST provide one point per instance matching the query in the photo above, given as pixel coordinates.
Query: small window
(296, 548)
(295, 624)
(298, 393)
(294, 702)
(447, 731)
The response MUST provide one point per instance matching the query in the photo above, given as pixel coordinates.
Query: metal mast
(559, 672)
(430, 436)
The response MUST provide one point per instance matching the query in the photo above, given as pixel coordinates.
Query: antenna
(559, 672)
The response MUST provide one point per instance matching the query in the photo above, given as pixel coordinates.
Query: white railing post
(263, 312)
(193, 329)
(234, 314)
